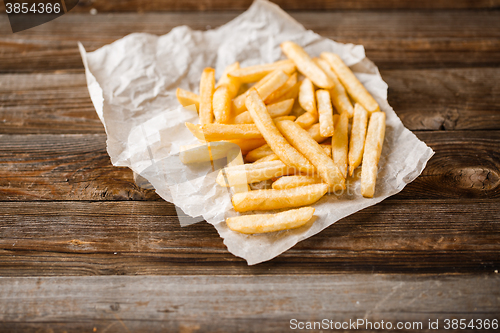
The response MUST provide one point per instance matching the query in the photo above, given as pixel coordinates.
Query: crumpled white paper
(132, 84)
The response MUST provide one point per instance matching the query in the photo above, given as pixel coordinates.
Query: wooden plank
(241, 304)
(172, 5)
(434, 99)
(77, 167)
(145, 238)
(405, 39)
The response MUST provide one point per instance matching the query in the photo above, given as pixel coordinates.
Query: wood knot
(475, 178)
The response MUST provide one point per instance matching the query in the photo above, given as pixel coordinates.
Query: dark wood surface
(70, 222)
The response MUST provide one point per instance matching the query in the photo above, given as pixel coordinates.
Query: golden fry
(371, 156)
(219, 132)
(276, 96)
(307, 98)
(287, 182)
(325, 111)
(315, 133)
(247, 145)
(276, 199)
(358, 133)
(305, 65)
(232, 84)
(260, 223)
(275, 110)
(355, 88)
(235, 158)
(338, 94)
(268, 158)
(327, 148)
(257, 72)
(251, 173)
(222, 105)
(207, 84)
(278, 78)
(289, 155)
(340, 143)
(187, 98)
(307, 120)
(292, 118)
(301, 140)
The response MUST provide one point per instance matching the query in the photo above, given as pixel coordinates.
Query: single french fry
(286, 182)
(340, 143)
(276, 199)
(247, 145)
(358, 133)
(277, 80)
(232, 84)
(327, 148)
(268, 158)
(316, 134)
(222, 104)
(187, 98)
(205, 152)
(307, 98)
(305, 65)
(235, 158)
(325, 111)
(260, 223)
(339, 97)
(292, 118)
(257, 72)
(303, 142)
(355, 88)
(275, 110)
(207, 84)
(288, 154)
(307, 120)
(292, 93)
(251, 173)
(371, 156)
(289, 84)
(218, 132)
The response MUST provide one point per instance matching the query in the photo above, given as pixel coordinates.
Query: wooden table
(82, 248)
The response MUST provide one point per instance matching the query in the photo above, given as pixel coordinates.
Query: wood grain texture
(77, 167)
(406, 39)
(145, 238)
(433, 99)
(221, 304)
(210, 5)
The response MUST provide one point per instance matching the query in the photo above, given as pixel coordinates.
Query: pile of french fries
(294, 132)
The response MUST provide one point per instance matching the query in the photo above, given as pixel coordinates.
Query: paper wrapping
(132, 85)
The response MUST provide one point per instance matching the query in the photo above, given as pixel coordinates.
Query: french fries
(277, 94)
(355, 88)
(338, 94)
(257, 72)
(307, 99)
(305, 65)
(275, 110)
(278, 124)
(251, 173)
(358, 133)
(207, 84)
(263, 121)
(232, 84)
(187, 98)
(287, 182)
(325, 112)
(371, 156)
(277, 79)
(340, 143)
(260, 223)
(301, 140)
(277, 199)
(222, 105)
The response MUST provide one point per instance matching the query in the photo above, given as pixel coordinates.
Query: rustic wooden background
(75, 232)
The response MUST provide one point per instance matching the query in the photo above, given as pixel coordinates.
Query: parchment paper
(132, 84)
